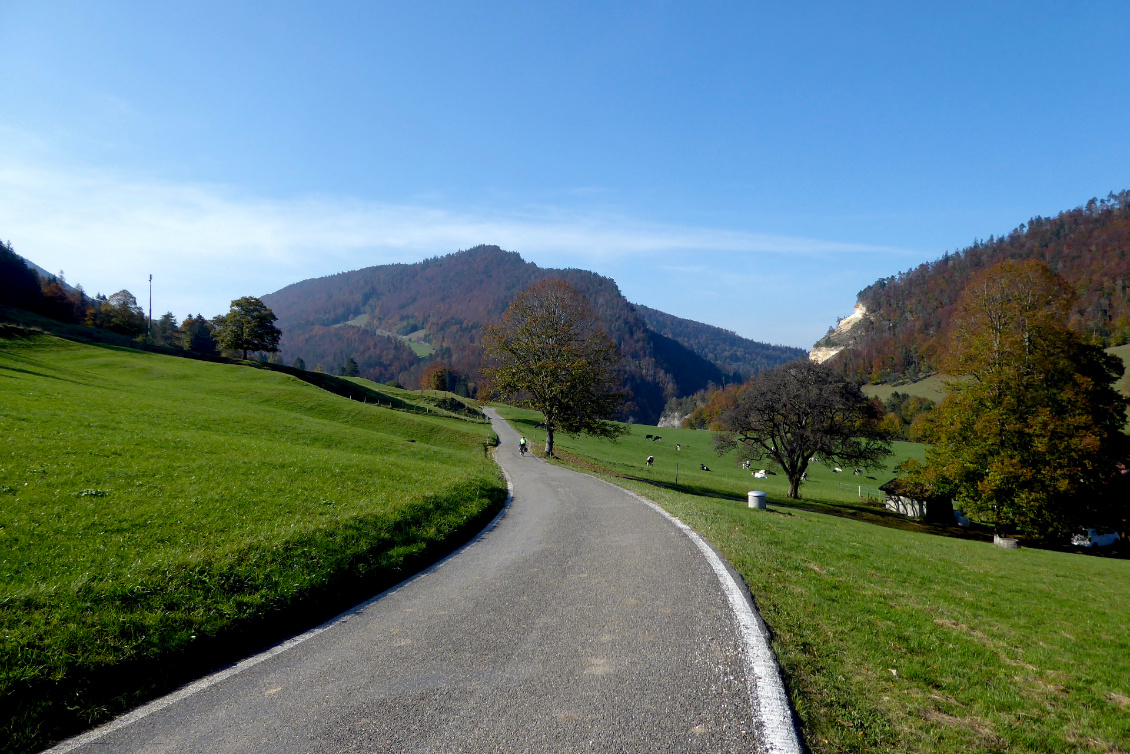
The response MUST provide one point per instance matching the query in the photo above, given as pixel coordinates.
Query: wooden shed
(905, 499)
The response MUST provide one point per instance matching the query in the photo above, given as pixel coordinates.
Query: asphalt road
(584, 621)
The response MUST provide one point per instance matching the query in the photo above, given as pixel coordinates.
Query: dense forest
(727, 349)
(908, 314)
(378, 357)
(448, 301)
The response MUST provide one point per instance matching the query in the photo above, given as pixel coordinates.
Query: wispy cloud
(210, 243)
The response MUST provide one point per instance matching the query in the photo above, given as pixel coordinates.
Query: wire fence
(860, 490)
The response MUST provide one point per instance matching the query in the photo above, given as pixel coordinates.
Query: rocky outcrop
(839, 339)
(672, 419)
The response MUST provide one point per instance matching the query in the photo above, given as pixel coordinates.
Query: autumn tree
(798, 411)
(435, 376)
(1030, 432)
(549, 352)
(249, 326)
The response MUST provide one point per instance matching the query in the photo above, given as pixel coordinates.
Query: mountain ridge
(906, 317)
(447, 301)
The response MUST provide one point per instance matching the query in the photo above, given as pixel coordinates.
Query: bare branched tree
(799, 411)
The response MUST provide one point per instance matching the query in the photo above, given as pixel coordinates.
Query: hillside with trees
(24, 286)
(908, 315)
(727, 349)
(447, 302)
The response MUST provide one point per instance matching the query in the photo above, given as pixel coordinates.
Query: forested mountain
(448, 301)
(907, 315)
(727, 349)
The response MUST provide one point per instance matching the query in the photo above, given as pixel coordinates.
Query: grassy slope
(419, 347)
(991, 650)
(725, 476)
(1123, 352)
(159, 515)
(933, 387)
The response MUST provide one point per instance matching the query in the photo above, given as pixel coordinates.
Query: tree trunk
(794, 487)
(245, 354)
(548, 441)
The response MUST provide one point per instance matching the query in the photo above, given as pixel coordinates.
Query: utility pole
(150, 304)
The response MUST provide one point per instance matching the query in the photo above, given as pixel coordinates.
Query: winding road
(585, 620)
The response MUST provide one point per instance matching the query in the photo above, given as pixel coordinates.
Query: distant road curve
(583, 621)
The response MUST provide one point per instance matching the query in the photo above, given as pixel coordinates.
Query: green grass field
(413, 340)
(1122, 352)
(160, 515)
(932, 387)
(896, 639)
(629, 455)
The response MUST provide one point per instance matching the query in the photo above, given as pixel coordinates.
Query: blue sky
(744, 164)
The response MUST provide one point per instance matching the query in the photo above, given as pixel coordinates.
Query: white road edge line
(219, 676)
(766, 689)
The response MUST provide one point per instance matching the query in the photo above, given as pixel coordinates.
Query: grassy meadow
(932, 387)
(160, 516)
(893, 638)
(824, 488)
(1123, 352)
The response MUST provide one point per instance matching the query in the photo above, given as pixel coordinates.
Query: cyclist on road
(522, 446)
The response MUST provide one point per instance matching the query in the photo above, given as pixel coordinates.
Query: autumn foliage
(1030, 435)
(909, 314)
(550, 352)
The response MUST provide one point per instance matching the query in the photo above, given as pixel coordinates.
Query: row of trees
(248, 326)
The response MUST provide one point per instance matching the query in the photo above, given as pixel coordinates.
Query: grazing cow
(678, 446)
(857, 472)
(804, 476)
(703, 467)
(745, 465)
(650, 460)
(647, 437)
(759, 474)
(657, 438)
(836, 470)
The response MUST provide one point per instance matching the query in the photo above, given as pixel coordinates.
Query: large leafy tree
(798, 411)
(1030, 433)
(122, 314)
(435, 376)
(550, 353)
(249, 326)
